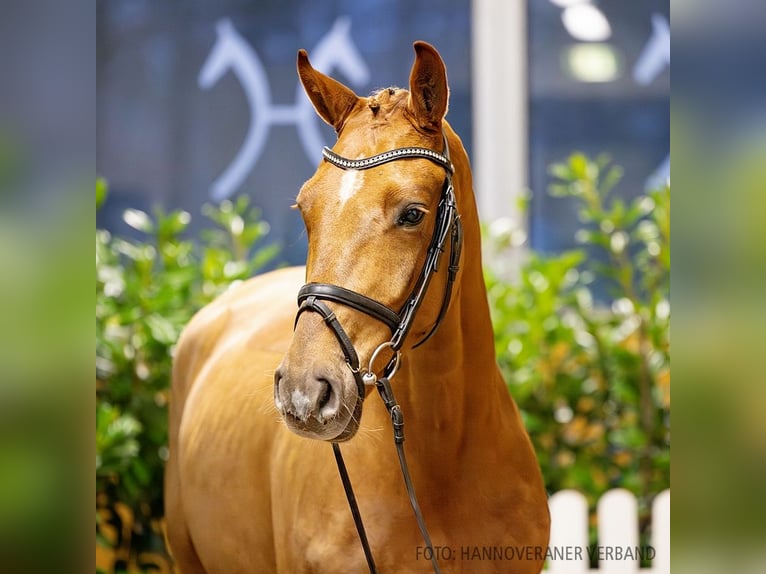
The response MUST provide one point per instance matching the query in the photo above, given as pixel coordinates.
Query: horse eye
(411, 216)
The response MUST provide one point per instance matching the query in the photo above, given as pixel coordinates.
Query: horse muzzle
(318, 400)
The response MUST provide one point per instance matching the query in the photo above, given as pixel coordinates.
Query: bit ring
(397, 356)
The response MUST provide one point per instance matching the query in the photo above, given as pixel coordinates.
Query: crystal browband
(385, 157)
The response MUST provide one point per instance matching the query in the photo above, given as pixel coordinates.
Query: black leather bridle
(312, 297)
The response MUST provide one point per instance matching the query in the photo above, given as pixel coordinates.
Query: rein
(311, 297)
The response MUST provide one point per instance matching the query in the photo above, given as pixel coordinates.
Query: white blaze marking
(350, 183)
(301, 404)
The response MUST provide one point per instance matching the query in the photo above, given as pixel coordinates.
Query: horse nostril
(328, 402)
(277, 381)
(324, 394)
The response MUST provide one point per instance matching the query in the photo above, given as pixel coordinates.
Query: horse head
(369, 232)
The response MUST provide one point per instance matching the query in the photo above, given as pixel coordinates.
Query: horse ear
(332, 100)
(429, 94)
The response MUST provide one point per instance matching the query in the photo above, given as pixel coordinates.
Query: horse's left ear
(332, 100)
(429, 94)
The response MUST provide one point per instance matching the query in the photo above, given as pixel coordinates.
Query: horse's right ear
(332, 100)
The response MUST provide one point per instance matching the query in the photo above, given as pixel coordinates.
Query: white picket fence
(618, 542)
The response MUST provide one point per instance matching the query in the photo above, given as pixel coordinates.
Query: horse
(259, 393)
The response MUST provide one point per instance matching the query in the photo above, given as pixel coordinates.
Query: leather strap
(351, 299)
(397, 422)
(344, 478)
(454, 267)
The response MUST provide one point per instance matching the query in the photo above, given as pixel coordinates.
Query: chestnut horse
(258, 395)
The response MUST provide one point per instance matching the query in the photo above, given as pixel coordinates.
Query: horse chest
(319, 535)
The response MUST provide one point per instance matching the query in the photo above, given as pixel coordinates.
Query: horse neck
(454, 376)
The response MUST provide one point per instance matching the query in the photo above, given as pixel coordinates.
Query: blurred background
(205, 137)
(190, 97)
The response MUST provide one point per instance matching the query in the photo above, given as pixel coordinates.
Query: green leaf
(101, 191)
(174, 223)
(579, 166)
(612, 178)
(561, 171)
(161, 329)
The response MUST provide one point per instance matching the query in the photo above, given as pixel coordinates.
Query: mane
(387, 99)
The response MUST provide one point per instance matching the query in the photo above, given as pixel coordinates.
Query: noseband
(312, 297)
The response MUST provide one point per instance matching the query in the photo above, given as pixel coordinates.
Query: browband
(387, 156)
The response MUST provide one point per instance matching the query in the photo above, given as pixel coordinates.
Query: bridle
(312, 297)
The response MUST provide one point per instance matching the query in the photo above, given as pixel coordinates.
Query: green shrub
(146, 291)
(592, 380)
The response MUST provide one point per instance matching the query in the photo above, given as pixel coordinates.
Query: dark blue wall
(162, 139)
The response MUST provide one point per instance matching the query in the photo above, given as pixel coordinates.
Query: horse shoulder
(221, 418)
(252, 308)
